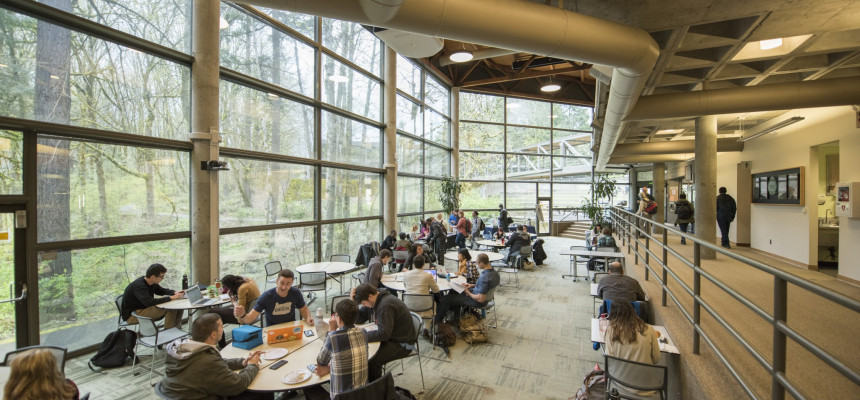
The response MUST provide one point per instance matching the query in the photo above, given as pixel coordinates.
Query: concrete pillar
(455, 132)
(634, 190)
(706, 182)
(744, 193)
(389, 203)
(205, 138)
(660, 194)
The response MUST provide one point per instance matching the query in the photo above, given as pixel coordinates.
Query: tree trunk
(53, 104)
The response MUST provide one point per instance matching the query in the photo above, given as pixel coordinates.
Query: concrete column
(634, 190)
(204, 136)
(660, 194)
(389, 203)
(744, 194)
(706, 182)
(455, 132)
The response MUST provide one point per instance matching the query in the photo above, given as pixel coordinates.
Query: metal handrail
(626, 223)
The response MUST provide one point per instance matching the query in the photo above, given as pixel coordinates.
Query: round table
(301, 354)
(331, 268)
(395, 282)
(495, 244)
(493, 256)
(184, 304)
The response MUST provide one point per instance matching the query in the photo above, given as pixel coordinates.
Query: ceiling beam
(524, 75)
(532, 96)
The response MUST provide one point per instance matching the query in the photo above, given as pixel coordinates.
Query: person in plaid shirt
(344, 354)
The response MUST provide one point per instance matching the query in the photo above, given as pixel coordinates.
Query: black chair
(120, 323)
(311, 282)
(624, 375)
(380, 389)
(418, 323)
(272, 269)
(337, 299)
(58, 352)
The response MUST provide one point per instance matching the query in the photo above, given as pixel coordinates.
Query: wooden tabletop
(493, 256)
(593, 253)
(329, 267)
(395, 282)
(184, 304)
(301, 354)
(597, 336)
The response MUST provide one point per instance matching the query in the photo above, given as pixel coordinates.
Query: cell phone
(312, 367)
(309, 332)
(278, 364)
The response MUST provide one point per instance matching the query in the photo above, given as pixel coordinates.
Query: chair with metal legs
(272, 269)
(418, 322)
(152, 337)
(624, 375)
(425, 306)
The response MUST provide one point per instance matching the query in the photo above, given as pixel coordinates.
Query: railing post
(665, 264)
(647, 254)
(636, 250)
(629, 229)
(697, 286)
(780, 313)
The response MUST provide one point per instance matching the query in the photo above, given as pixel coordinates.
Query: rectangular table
(575, 254)
(597, 336)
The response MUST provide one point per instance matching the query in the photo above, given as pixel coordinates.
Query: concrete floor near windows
(541, 348)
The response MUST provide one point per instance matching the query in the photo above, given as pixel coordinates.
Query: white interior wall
(785, 230)
(727, 168)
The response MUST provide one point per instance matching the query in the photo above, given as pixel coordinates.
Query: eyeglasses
(160, 277)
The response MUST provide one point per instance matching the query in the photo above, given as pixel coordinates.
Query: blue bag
(247, 337)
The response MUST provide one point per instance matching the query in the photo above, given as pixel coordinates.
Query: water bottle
(184, 281)
(319, 312)
(321, 324)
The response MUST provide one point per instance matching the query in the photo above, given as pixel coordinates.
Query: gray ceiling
(700, 38)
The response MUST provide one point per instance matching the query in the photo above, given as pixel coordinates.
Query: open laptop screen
(193, 294)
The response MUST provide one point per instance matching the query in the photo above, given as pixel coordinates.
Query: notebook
(196, 298)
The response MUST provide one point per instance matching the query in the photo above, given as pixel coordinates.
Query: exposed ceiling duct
(671, 147)
(408, 44)
(509, 24)
(779, 96)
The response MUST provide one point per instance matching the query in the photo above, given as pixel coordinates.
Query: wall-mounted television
(778, 187)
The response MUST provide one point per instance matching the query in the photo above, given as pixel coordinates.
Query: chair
(399, 256)
(597, 277)
(512, 271)
(152, 337)
(259, 317)
(573, 259)
(272, 269)
(58, 352)
(382, 389)
(359, 277)
(525, 252)
(418, 323)
(120, 323)
(635, 375)
(489, 304)
(313, 282)
(159, 391)
(339, 258)
(337, 299)
(424, 306)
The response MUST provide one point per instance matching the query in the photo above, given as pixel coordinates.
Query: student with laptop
(139, 297)
(279, 302)
(419, 281)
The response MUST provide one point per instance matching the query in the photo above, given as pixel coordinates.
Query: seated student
(373, 273)
(139, 297)
(474, 295)
(194, 368)
(619, 288)
(388, 242)
(396, 332)
(517, 240)
(467, 267)
(605, 240)
(403, 243)
(415, 250)
(280, 303)
(344, 354)
(630, 338)
(418, 281)
(241, 291)
(591, 238)
(35, 375)
(499, 235)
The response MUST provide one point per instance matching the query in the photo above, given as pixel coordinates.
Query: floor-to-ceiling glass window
(423, 143)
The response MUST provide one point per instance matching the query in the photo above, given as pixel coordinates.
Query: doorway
(543, 214)
(13, 275)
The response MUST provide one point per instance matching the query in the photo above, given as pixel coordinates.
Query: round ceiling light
(552, 87)
(461, 56)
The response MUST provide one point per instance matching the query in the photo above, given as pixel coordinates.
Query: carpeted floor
(541, 348)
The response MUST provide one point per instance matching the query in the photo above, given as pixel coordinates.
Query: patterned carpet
(540, 349)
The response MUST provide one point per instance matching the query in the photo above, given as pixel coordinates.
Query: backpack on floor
(593, 387)
(115, 350)
(472, 329)
(445, 336)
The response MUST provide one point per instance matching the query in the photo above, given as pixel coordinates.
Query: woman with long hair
(630, 338)
(242, 291)
(35, 376)
(467, 267)
(414, 250)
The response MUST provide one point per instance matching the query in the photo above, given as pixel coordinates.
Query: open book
(458, 284)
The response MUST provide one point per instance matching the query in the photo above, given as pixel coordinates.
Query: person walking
(726, 210)
(503, 217)
(685, 212)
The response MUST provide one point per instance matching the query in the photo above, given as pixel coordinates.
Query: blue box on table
(247, 337)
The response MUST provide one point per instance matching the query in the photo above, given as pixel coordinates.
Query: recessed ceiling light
(338, 78)
(670, 131)
(552, 87)
(770, 43)
(461, 56)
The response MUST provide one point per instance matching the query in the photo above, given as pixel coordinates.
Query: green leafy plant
(602, 187)
(449, 194)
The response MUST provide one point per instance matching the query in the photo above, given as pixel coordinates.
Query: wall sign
(779, 187)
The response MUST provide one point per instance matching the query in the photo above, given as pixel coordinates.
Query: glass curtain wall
(310, 110)
(423, 143)
(514, 150)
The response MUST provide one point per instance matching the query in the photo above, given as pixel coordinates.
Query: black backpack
(684, 211)
(482, 226)
(115, 350)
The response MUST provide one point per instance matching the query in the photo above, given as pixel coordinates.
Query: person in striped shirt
(344, 354)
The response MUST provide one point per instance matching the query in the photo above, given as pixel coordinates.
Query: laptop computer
(196, 298)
